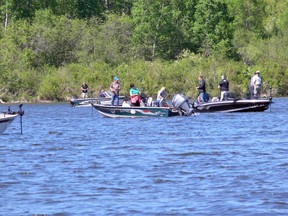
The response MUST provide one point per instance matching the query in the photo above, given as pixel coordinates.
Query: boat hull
(242, 105)
(5, 120)
(135, 112)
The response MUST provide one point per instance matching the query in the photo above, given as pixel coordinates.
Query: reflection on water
(72, 161)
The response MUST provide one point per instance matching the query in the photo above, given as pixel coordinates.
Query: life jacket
(135, 99)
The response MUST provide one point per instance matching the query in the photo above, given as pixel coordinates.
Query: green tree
(212, 26)
(156, 33)
(122, 7)
(248, 25)
(56, 38)
(109, 42)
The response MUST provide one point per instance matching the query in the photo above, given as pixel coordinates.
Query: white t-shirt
(253, 80)
(258, 80)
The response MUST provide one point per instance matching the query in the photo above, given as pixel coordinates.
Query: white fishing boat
(6, 118)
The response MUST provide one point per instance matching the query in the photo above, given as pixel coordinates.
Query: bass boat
(234, 105)
(180, 107)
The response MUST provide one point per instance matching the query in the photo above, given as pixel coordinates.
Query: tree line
(49, 47)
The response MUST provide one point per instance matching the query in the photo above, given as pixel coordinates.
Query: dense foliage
(49, 47)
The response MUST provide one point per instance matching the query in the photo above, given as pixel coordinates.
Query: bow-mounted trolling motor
(270, 96)
(20, 112)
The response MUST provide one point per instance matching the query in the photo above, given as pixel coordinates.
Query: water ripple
(72, 161)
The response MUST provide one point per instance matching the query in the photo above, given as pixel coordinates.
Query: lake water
(73, 161)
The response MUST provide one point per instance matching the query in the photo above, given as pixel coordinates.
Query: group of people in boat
(254, 88)
(223, 87)
(135, 93)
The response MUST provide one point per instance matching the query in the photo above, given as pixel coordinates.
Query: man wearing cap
(257, 85)
(115, 88)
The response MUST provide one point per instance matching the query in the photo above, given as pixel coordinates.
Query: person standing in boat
(203, 96)
(115, 88)
(251, 88)
(161, 95)
(135, 98)
(224, 88)
(84, 89)
(257, 85)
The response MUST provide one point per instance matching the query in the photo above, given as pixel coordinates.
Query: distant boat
(180, 107)
(105, 100)
(234, 105)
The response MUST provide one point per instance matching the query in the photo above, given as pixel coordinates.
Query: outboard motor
(180, 102)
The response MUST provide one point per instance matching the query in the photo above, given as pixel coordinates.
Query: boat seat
(107, 94)
(150, 101)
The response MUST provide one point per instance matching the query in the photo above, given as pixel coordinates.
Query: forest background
(49, 47)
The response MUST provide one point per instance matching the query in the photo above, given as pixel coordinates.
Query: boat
(234, 105)
(82, 102)
(7, 118)
(180, 107)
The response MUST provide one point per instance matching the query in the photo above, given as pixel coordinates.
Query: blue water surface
(73, 161)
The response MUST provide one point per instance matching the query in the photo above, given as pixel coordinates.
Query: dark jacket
(201, 86)
(224, 85)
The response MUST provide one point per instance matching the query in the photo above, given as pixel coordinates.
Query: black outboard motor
(180, 102)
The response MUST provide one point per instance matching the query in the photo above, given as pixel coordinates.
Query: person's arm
(201, 85)
(83, 88)
(219, 86)
(112, 89)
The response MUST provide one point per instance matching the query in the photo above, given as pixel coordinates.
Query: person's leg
(200, 98)
(117, 100)
(225, 95)
(112, 99)
(258, 89)
(251, 92)
(255, 92)
(222, 96)
(205, 97)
